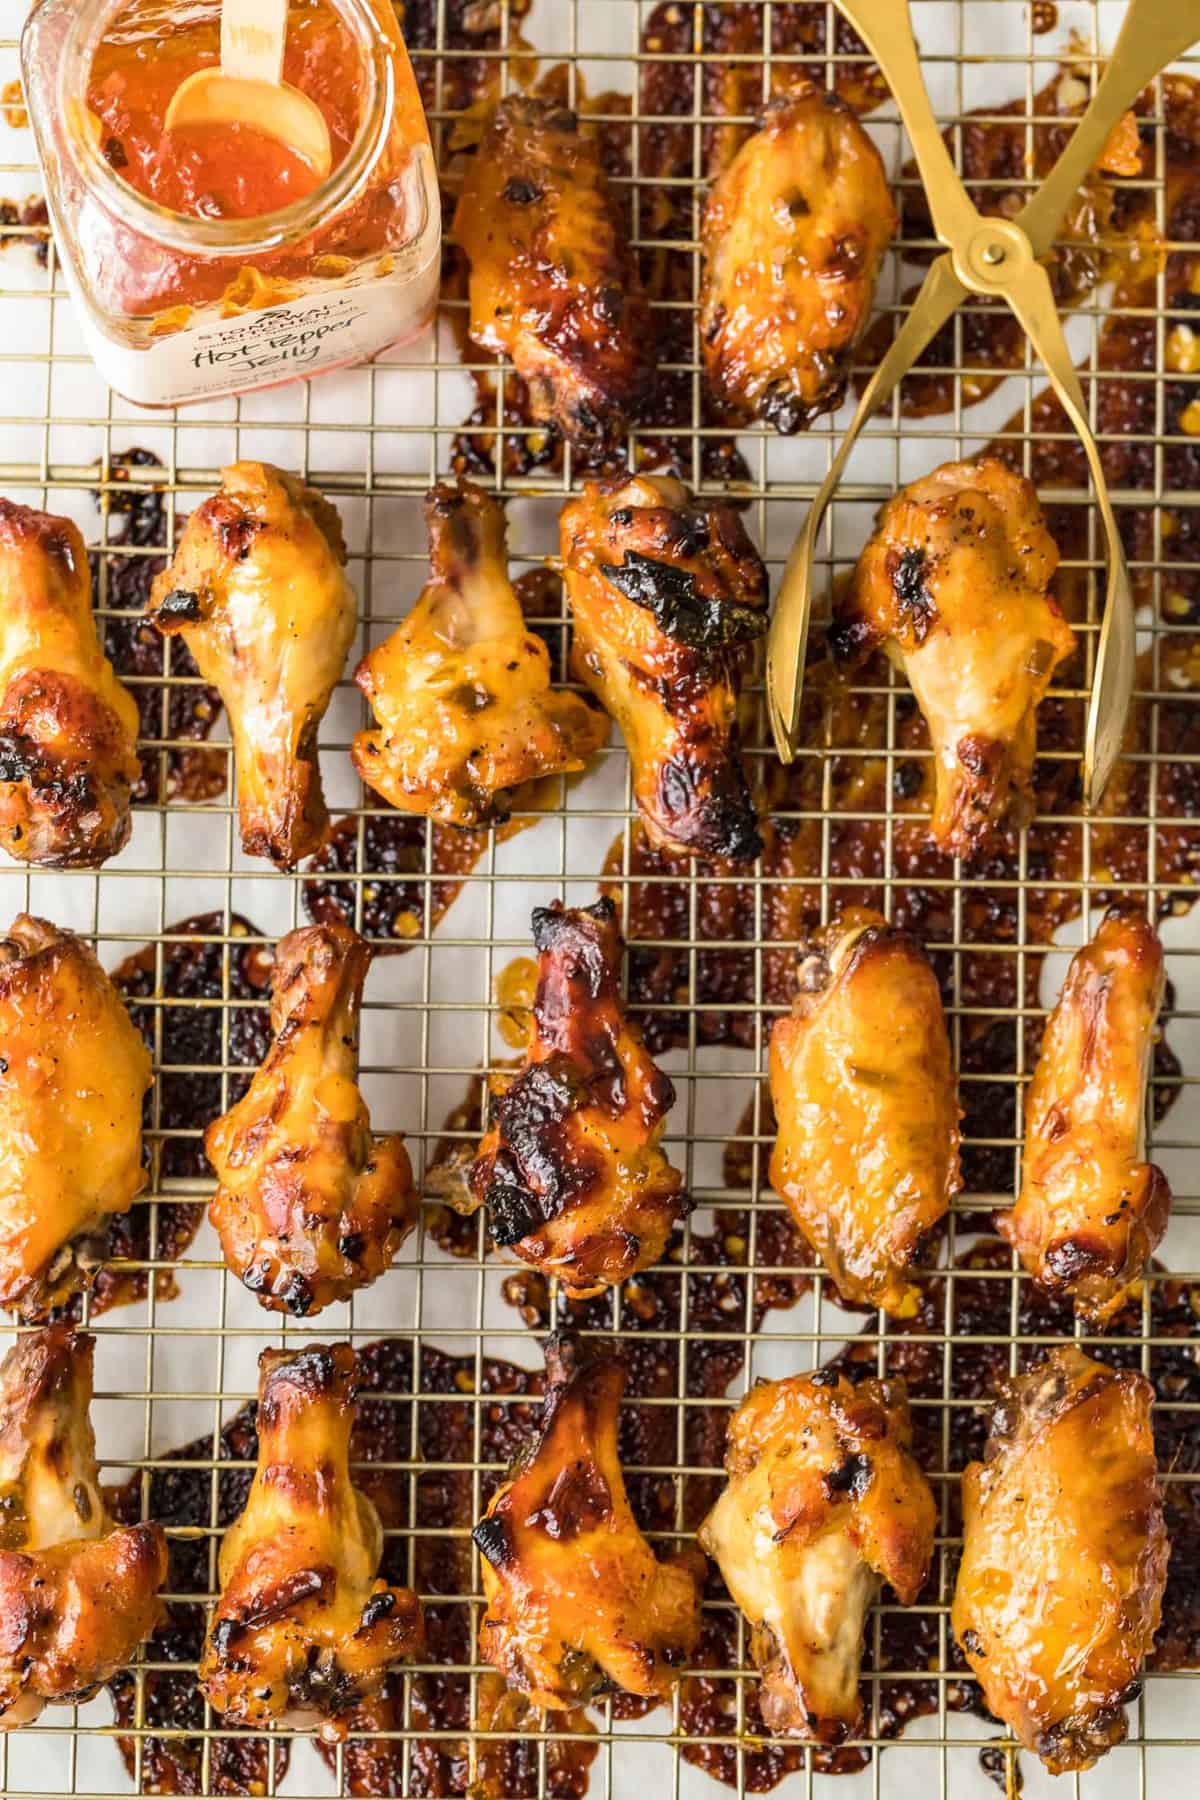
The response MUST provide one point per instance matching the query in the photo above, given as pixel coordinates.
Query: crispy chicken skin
(554, 283)
(461, 689)
(571, 1172)
(793, 235)
(77, 1593)
(866, 1156)
(68, 729)
(1064, 1557)
(310, 1206)
(73, 1071)
(824, 1500)
(259, 593)
(303, 1630)
(577, 1602)
(668, 596)
(954, 585)
(1090, 1213)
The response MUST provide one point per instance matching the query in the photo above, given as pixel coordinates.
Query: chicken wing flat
(824, 1499)
(1064, 1557)
(554, 283)
(258, 590)
(793, 235)
(571, 1172)
(78, 1594)
(866, 1156)
(954, 585)
(68, 729)
(577, 1601)
(668, 597)
(461, 690)
(73, 1071)
(303, 1630)
(310, 1206)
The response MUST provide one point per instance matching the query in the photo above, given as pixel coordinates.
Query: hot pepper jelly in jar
(210, 259)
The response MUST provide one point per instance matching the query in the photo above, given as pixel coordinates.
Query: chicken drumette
(259, 593)
(577, 1601)
(668, 597)
(78, 1594)
(68, 729)
(303, 1630)
(793, 235)
(954, 584)
(1064, 1557)
(461, 690)
(866, 1156)
(310, 1206)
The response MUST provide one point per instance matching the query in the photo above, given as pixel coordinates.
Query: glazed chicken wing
(554, 283)
(1064, 1557)
(954, 585)
(259, 593)
(309, 1206)
(77, 1593)
(577, 1601)
(668, 597)
(824, 1500)
(1090, 1212)
(461, 689)
(303, 1630)
(73, 1071)
(793, 235)
(571, 1172)
(68, 729)
(866, 1156)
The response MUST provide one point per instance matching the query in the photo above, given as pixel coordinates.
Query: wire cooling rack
(449, 1338)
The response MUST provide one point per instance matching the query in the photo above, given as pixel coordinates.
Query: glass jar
(177, 307)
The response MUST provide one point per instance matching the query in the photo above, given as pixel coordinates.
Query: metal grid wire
(172, 1369)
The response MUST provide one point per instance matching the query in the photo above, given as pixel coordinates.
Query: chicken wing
(866, 1157)
(1064, 1557)
(461, 689)
(68, 729)
(309, 1206)
(73, 1071)
(954, 584)
(824, 1500)
(1089, 1213)
(554, 283)
(78, 1594)
(793, 235)
(668, 597)
(303, 1630)
(577, 1602)
(259, 593)
(571, 1172)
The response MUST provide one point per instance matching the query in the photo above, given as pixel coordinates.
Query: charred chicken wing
(954, 585)
(793, 235)
(577, 1602)
(310, 1207)
(77, 1593)
(866, 1156)
(68, 729)
(571, 1172)
(304, 1631)
(259, 592)
(825, 1500)
(461, 689)
(668, 597)
(554, 283)
(1064, 1557)
(73, 1071)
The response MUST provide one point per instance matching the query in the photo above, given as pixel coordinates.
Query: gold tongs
(991, 256)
